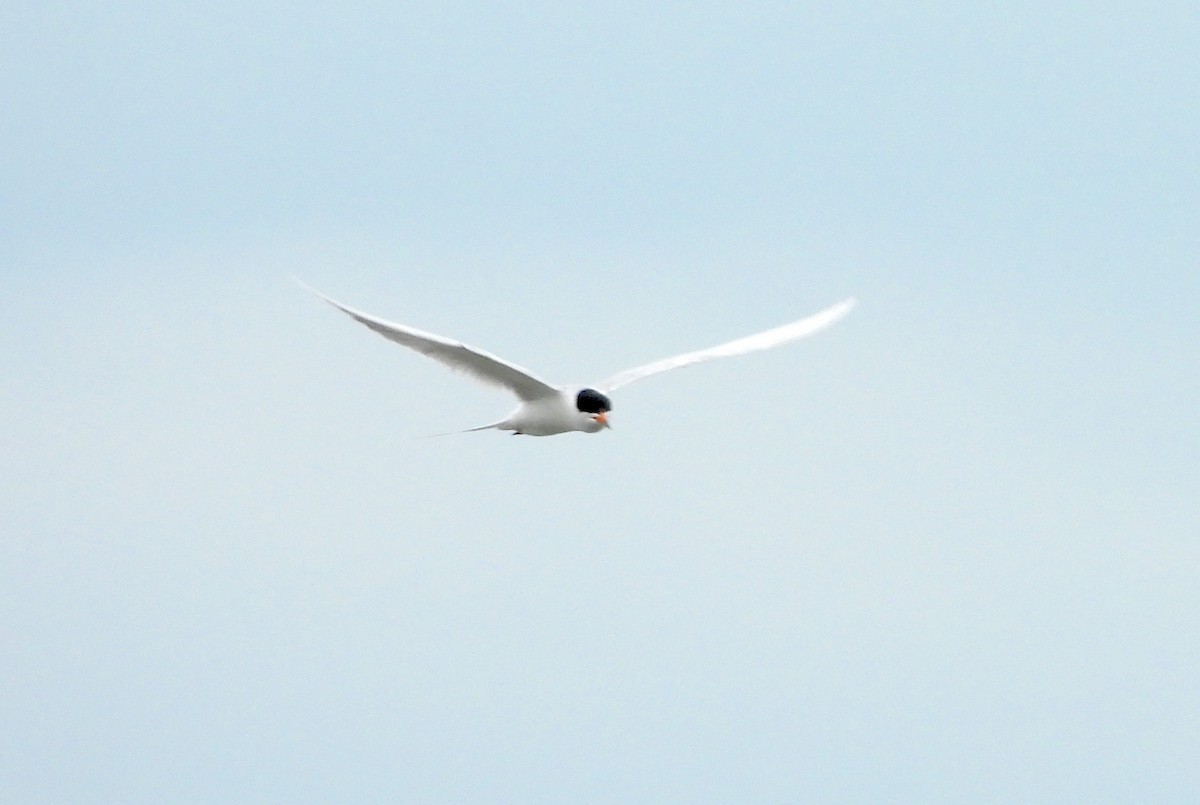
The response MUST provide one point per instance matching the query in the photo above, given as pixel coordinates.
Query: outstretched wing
(751, 343)
(475, 363)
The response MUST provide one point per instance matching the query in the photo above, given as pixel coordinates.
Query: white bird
(546, 410)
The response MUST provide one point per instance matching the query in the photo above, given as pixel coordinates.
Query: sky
(945, 551)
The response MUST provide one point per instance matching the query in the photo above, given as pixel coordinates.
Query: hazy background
(944, 552)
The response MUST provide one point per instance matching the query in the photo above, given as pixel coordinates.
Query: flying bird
(545, 409)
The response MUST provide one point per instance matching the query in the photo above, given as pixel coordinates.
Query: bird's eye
(590, 401)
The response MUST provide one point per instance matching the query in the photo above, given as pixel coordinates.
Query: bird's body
(545, 409)
(548, 416)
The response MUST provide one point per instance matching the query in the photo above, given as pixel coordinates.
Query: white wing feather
(471, 361)
(751, 343)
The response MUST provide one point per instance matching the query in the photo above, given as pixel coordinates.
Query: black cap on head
(590, 401)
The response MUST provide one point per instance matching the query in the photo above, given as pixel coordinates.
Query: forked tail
(493, 426)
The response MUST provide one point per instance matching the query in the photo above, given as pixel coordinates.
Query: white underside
(550, 415)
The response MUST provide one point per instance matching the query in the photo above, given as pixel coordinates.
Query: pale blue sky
(944, 552)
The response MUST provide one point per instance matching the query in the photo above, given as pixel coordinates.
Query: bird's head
(593, 407)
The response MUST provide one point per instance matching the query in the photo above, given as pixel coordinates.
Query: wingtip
(330, 300)
(842, 308)
(308, 287)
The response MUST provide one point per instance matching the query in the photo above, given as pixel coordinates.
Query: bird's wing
(476, 363)
(751, 343)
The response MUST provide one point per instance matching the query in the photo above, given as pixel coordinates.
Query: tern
(545, 409)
